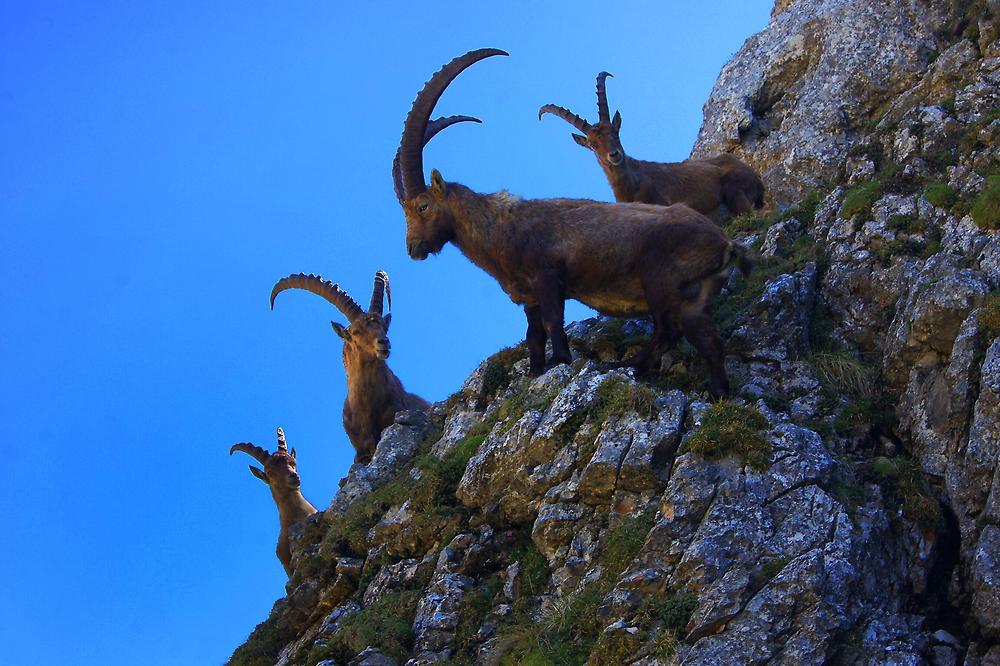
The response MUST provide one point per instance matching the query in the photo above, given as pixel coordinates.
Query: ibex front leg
(535, 338)
(551, 304)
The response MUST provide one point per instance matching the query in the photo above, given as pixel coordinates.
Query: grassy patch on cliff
(264, 643)
(939, 195)
(387, 625)
(616, 396)
(859, 199)
(728, 428)
(989, 319)
(843, 374)
(804, 212)
(986, 207)
(905, 486)
(729, 307)
(431, 492)
(570, 631)
(496, 374)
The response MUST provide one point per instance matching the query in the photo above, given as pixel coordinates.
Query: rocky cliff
(843, 508)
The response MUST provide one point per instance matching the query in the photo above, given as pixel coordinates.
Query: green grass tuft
(905, 486)
(940, 195)
(728, 428)
(749, 223)
(263, 645)
(858, 200)
(989, 319)
(986, 207)
(571, 631)
(907, 224)
(387, 625)
(496, 375)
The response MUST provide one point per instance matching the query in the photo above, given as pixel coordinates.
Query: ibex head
(429, 221)
(601, 138)
(367, 332)
(279, 467)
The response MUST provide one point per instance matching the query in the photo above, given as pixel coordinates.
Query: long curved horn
(414, 129)
(282, 446)
(324, 288)
(380, 289)
(604, 116)
(433, 127)
(254, 451)
(567, 115)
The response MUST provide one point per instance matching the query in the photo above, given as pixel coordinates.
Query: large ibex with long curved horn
(281, 476)
(620, 259)
(374, 393)
(705, 185)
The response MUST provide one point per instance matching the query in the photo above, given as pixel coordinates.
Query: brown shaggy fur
(622, 260)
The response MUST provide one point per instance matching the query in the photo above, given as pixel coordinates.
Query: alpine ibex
(620, 259)
(281, 477)
(701, 184)
(374, 393)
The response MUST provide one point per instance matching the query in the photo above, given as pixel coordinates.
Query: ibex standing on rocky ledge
(621, 259)
(702, 184)
(281, 477)
(374, 393)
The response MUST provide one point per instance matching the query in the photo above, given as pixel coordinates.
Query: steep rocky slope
(843, 508)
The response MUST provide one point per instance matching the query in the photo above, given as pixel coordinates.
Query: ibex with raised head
(702, 184)
(281, 476)
(621, 259)
(374, 392)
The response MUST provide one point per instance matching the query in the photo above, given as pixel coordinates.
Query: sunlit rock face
(800, 93)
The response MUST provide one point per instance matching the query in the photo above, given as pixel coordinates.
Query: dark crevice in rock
(941, 612)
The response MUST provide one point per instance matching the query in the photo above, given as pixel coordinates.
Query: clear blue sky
(162, 164)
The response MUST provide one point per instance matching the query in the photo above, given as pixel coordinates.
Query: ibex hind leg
(699, 329)
(663, 298)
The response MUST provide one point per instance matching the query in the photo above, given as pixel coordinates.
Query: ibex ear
(293, 453)
(582, 140)
(616, 122)
(388, 320)
(437, 182)
(341, 331)
(259, 473)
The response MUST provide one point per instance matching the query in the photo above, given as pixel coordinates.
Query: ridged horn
(603, 114)
(324, 288)
(252, 450)
(282, 446)
(380, 290)
(567, 115)
(433, 127)
(411, 145)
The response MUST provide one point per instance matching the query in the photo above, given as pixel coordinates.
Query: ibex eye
(422, 208)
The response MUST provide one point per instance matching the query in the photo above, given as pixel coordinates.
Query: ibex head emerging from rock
(282, 477)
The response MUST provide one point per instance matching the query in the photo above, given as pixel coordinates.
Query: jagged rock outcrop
(843, 508)
(799, 94)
